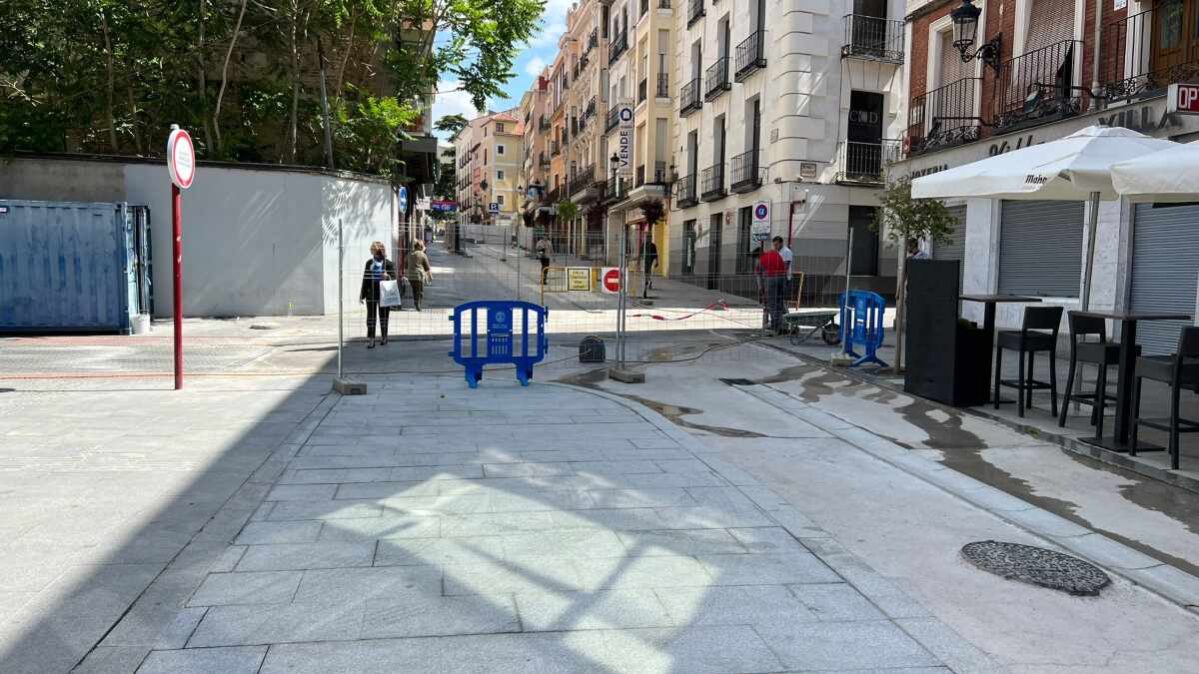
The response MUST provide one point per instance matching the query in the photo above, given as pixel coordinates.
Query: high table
(1119, 442)
(989, 302)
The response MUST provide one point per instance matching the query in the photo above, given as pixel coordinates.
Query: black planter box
(947, 359)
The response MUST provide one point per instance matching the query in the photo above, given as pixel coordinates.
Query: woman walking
(419, 272)
(378, 268)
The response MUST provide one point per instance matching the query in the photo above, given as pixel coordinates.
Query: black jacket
(370, 286)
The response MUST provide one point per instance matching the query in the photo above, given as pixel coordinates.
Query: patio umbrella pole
(1092, 225)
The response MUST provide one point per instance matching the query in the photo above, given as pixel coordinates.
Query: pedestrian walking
(419, 272)
(774, 271)
(545, 250)
(788, 258)
(650, 261)
(378, 268)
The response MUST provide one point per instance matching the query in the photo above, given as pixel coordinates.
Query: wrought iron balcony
(684, 192)
(616, 190)
(543, 124)
(746, 174)
(618, 46)
(866, 163)
(944, 117)
(689, 98)
(613, 119)
(1128, 67)
(716, 79)
(663, 90)
(660, 177)
(695, 12)
(543, 161)
(1038, 87)
(751, 55)
(642, 89)
(555, 148)
(712, 183)
(872, 38)
(589, 111)
(582, 180)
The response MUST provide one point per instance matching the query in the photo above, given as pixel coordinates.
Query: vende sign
(624, 147)
(1183, 98)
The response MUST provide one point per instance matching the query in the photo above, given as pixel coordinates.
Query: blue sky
(529, 62)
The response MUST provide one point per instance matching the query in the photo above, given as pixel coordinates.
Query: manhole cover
(738, 382)
(1037, 566)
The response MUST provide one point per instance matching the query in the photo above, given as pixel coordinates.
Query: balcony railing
(751, 54)
(613, 119)
(745, 174)
(1135, 64)
(543, 124)
(684, 192)
(944, 117)
(582, 180)
(589, 111)
(872, 38)
(619, 45)
(712, 183)
(695, 12)
(555, 148)
(616, 190)
(543, 160)
(866, 162)
(689, 98)
(1038, 86)
(716, 79)
(660, 177)
(642, 90)
(663, 90)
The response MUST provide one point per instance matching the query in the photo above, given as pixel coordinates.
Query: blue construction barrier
(502, 315)
(862, 314)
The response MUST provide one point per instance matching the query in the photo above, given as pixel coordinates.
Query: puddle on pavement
(674, 413)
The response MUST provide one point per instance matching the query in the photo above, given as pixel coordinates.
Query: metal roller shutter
(955, 247)
(1040, 248)
(1165, 269)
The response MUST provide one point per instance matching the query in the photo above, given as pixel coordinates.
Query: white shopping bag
(389, 294)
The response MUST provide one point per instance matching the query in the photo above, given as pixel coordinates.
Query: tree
(652, 209)
(451, 124)
(904, 220)
(567, 210)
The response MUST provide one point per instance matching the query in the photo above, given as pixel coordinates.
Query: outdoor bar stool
(1177, 370)
(1038, 333)
(1098, 352)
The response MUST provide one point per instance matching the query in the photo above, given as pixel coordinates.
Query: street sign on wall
(493, 207)
(578, 278)
(1183, 98)
(624, 140)
(403, 199)
(760, 226)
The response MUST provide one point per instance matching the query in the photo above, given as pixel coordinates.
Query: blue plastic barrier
(501, 317)
(862, 314)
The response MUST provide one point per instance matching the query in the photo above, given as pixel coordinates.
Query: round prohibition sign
(181, 158)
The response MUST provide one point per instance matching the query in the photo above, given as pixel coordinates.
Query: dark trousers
(373, 308)
(775, 287)
(545, 268)
(418, 291)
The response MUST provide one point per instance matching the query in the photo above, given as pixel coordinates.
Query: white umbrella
(1074, 168)
(1169, 175)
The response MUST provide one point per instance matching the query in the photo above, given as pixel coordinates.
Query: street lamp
(965, 31)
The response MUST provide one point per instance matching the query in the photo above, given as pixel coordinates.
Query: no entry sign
(181, 158)
(610, 280)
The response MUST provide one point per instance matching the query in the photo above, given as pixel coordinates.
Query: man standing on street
(774, 271)
(544, 251)
(788, 258)
(650, 261)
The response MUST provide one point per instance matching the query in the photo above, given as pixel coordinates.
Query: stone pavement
(428, 528)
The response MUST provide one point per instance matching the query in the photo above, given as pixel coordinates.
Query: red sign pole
(177, 262)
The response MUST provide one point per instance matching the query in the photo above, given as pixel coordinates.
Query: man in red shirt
(774, 269)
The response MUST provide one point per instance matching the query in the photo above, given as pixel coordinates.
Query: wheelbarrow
(804, 325)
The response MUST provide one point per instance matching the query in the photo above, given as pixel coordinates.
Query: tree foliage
(567, 210)
(111, 76)
(901, 218)
(653, 210)
(451, 124)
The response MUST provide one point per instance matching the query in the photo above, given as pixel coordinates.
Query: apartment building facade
(639, 126)
(585, 46)
(1024, 72)
(795, 107)
(490, 151)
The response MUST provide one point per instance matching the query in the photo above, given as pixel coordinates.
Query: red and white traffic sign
(1183, 98)
(181, 158)
(610, 280)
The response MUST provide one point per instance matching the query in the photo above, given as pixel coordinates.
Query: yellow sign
(578, 278)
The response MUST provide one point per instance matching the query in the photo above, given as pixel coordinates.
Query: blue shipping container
(73, 267)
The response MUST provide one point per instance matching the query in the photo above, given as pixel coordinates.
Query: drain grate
(737, 382)
(1037, 566)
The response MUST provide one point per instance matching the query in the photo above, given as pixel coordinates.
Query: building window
(499, 175)
(499, 199)
(499, 128)
(499, 150)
